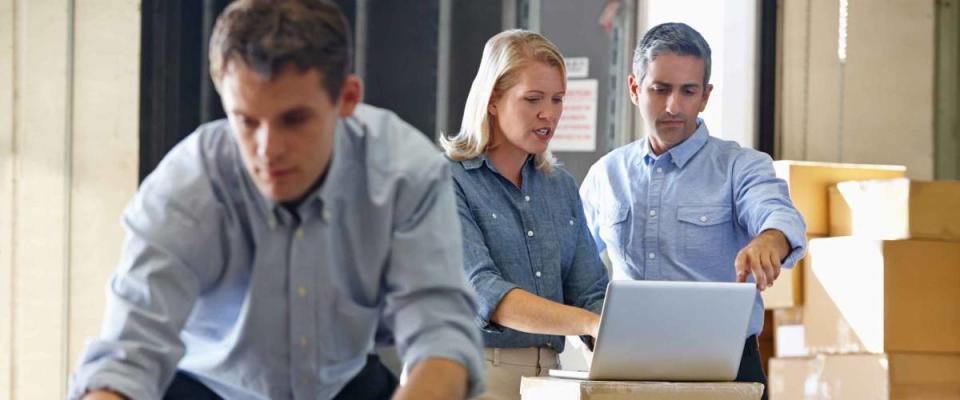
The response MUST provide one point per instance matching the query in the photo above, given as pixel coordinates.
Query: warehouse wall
(69, 78)
(876, 105)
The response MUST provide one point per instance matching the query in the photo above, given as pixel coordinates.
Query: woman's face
(525, 116)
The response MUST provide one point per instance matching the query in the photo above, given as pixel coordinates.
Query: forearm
(435, 378)
(103, 395)
(523, 311)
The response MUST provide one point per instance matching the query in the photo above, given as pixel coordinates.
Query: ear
(492, 108)
(633, 86)
(706, 96)
(350, 95)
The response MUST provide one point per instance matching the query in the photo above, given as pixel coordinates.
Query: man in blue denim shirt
(681, 205)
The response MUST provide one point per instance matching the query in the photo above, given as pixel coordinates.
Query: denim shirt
(684, 215)
(533, 237)
(256, 302)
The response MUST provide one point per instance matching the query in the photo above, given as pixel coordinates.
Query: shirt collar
(474, 163)
(683, 152)
(479, 161)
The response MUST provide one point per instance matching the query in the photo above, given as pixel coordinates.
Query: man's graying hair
(268, 35)
(671, 37)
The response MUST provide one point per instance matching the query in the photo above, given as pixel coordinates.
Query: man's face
(284, 126)
(670, 97)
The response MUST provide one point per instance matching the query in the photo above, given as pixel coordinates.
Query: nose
(673, 106)
(550, 112)
(269, 143)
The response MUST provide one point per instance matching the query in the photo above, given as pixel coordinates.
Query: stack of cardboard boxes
(873, 311)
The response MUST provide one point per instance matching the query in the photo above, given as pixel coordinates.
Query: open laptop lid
(672, 331)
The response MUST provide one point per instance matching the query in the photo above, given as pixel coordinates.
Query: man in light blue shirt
(681, 205)
(270, 252)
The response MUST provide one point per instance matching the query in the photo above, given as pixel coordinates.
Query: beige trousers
(505, 368)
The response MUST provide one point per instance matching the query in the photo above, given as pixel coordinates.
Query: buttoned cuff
(796, 238)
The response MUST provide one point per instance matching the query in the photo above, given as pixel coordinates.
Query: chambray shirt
(533, 238)
(684, 216)
(260, 303)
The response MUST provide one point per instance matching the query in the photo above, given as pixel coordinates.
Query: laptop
(670, 331)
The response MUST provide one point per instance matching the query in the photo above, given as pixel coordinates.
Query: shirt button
(571, 222)
(299, 233)
(494, 216)
(302, 291)
(326, 215)
(703, 219)
(538, 274)
(527, 198)
(530, 233)
(303, 341)
(652, 255)
(660, 170)
(653, 213)
(272, 223)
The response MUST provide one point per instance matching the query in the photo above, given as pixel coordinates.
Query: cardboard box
(894, 376)
(789, 333)
(876, 296)
(547, 388)
(809, 181)
(896, 209)
(765, 341)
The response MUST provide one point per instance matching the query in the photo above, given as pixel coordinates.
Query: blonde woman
(527, 251)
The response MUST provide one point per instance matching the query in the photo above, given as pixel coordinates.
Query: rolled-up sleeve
(484, 275)
(763, 202)
(429, 306)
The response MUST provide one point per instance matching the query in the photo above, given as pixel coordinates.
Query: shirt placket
(304, 239)
(532, 239)
(651, 238)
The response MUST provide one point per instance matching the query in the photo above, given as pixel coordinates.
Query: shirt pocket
(706, 233)
(356, 326)
(614, 227)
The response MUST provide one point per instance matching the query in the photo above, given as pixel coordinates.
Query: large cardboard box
(896, 209)
(876, 296)
(894, 376)
(809, 181)
(547, 388)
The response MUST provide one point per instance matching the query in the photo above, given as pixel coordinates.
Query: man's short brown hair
(269, 34)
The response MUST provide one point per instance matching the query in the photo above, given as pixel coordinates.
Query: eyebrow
(534, 91)
(685, 85)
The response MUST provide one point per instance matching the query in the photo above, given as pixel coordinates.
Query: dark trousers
(373, 382)
(750, 368)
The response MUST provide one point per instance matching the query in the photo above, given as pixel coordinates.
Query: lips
(670, 122)
(543, 133)
(275, 173)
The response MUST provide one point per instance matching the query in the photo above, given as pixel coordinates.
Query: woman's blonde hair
(503, 56)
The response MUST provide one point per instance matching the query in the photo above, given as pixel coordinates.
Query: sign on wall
(577, 130)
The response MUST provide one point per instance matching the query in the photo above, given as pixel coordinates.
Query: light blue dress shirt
(533, 238)
(260, 303)
(684, 216)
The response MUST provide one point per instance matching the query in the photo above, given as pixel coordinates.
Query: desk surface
(543, 388)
